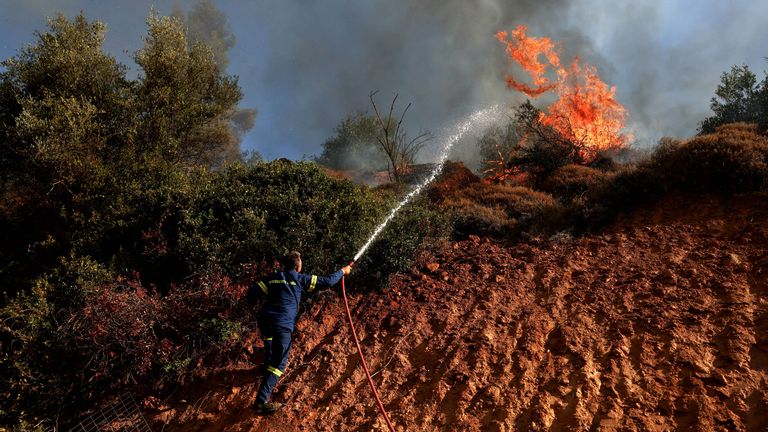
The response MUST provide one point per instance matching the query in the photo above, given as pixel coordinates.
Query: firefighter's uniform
(283, 291)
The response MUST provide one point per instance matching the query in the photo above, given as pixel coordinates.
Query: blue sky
(305, 64)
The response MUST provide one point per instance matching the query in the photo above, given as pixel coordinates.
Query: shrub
(500, 210)
(454, 177)
(413, 228)
(731, 160)
(571, 181)
(36, 364)
(117, 333)
(470, 217)
(258, 213)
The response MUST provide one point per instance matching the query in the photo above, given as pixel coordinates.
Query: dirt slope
(660, 323)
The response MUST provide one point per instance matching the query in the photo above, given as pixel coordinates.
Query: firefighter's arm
(315, 282)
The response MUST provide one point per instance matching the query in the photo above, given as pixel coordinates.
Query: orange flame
(586, 111)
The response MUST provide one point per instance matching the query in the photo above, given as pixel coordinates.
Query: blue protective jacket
(283, 291)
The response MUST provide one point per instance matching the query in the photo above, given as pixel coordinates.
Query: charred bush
(500, 210)
(470, 217)
(732, 160)
(571, 181)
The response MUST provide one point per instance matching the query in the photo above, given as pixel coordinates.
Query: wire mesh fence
(123, 415)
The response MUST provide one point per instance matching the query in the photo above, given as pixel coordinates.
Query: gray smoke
(441, 55)
(307, 64)
(207, 24)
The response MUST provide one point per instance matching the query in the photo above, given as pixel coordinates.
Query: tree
(66, 109)
(400, 151)
(187, 103)
(83, 148)
(738, 98)
(355, 145)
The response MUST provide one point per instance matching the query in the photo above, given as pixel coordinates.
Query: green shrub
(259, 212)
(414, 227)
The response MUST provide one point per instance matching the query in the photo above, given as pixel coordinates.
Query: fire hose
(362, 358)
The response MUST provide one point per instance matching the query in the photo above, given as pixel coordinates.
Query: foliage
(734, 159)
(499, 210)
(531, 147)
(738, 98)
(260, 212)
(414, 227)
(91, 159)
(355, 145)
(571, 181)
(731, 160)
(120, 333)
(188, 102)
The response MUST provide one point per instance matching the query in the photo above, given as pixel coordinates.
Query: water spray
(478, 118)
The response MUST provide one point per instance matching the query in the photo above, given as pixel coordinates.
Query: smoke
(307, 64)
(207, 24)
(441, 55)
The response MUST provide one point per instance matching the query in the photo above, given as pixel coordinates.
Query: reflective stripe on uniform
(313, 283)
(274, 371)
(268, 339)
(263, 287)
(282, 281)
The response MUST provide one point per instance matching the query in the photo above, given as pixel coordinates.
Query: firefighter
(278, 317)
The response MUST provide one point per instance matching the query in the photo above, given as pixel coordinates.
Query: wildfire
(586, 111)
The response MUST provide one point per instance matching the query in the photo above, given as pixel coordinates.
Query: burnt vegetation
(134, 226)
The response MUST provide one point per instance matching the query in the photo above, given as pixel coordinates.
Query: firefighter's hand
(346, 270)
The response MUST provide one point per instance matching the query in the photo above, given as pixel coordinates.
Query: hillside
(657, 323)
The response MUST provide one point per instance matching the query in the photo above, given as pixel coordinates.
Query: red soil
(659, 323)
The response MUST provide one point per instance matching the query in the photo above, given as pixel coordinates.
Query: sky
(305, 64)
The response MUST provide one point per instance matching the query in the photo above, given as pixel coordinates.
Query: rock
(433, 266)
(732, 259)
(493, 393)
(500, 279)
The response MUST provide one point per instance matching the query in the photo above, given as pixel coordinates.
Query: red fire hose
(360, 351)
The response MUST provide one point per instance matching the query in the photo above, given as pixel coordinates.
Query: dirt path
(660, 323)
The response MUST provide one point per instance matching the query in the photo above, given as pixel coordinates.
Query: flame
(586, 111)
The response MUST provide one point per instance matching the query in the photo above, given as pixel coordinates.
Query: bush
(260, 212)
(69, 354)
(470, 217)
(571, 181)
(414, 228)
(37, 367)
(500, 210)
(733, 159)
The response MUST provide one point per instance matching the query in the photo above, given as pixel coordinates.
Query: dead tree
(401, 152)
